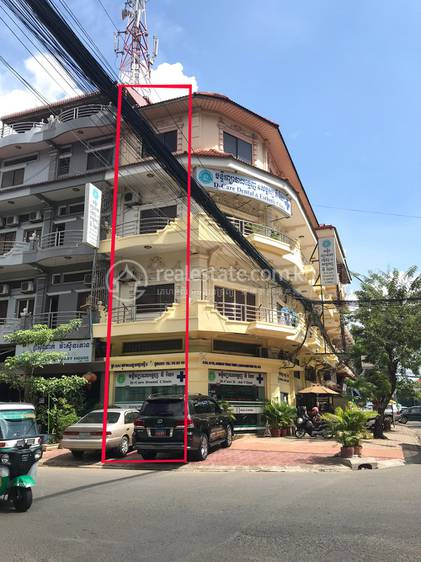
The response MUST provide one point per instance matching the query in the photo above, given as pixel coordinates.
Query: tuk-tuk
(20, 451)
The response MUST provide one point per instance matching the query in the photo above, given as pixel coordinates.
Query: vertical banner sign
(92, 215)
(327, 261)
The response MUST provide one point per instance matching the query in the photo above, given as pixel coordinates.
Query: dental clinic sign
(92, 215)
(242, 185)
(327, 261)
(151, 378)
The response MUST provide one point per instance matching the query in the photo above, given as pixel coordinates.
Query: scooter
(20, 451)
(305, 425)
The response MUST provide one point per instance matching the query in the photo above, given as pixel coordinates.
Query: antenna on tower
(132, 47)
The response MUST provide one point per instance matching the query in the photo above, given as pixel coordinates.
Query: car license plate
(160, 433)
(84, 435)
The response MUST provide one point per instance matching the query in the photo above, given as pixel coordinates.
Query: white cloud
(46, 76)
(166, 73)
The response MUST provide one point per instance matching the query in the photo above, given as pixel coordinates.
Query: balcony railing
(8, 247)
(23, 127)
(54, 319)
(139, 311)
(247, 227)
(64, 239)
(252, 313)
(143, 226)
(63, 117)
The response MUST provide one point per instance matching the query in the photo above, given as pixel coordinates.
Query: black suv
(160, 426)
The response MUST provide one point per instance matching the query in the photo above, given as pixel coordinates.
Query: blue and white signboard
(327, 261)
(241, 185)
(92, 215)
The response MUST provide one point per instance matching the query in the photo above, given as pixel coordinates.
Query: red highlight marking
(111, 274)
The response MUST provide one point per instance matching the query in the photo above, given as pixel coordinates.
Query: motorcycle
(20, 451)
(306, 426)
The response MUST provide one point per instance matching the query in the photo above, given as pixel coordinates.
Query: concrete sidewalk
(249, 452)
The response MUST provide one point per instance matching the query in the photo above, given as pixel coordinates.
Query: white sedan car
(86, 434)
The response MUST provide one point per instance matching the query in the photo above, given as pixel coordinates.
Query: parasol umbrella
(317, 389)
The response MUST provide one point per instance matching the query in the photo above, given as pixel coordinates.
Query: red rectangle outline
(111, 275)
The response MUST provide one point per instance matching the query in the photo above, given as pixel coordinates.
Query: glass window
(129, 417)
(12, 177)
(32, 234)
(16, 424)
(155, 298)
(24, 306)
(100, 159)
(169, 139)
(96, 417)
(138, 394)
(63, 166)
(238, 148)
(235, 305)
(152, 220)
(203, 407)
(163, 408)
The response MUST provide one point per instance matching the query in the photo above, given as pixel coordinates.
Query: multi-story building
(248, 341)
(46, 158)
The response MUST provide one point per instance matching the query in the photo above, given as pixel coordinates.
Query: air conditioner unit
(12, 220)
(2, 222)
(35, 216)
(87, 279)
(132, 198)
(27, 286)
(4, 289)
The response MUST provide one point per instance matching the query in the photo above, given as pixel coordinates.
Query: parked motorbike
(305, 426)
(20, 451)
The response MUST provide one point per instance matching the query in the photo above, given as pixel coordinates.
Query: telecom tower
(132, 45)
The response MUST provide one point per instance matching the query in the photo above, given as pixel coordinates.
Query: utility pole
(132, 45)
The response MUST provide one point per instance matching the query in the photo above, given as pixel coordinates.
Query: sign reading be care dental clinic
(77, 351)
(327, 261)
(150, 378)
(242, 185)
(92, 215)
(237, 378)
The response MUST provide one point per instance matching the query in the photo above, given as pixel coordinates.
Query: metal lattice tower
(132, 45)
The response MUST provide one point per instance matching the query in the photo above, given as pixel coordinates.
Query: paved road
(88, 515)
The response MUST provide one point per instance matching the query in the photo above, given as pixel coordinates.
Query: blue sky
(342, 79)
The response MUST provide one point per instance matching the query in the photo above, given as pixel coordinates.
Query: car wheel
(228, 439)
(148, 455)
(202, 453)
(124, 447)
(403, 419)
(77, 454)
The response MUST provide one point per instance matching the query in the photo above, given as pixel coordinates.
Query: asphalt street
(129, 515)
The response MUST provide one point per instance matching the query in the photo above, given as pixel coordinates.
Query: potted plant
(227, 409)
(288, 416)
(272, 416)
(280, 417)
(349, 427)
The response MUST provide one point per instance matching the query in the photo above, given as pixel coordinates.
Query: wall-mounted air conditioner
(12, 220)
(132, 198)
(35, 216)
(27, 287)
(4, 289)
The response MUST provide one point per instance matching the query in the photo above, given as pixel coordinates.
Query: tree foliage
(18, 370)
(388, 334)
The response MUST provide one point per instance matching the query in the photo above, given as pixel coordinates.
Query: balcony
(52, 245)
(83, 116)
(50, 319)
(158, 318)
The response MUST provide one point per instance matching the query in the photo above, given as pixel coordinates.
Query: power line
(108, 14)
(369, 212)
